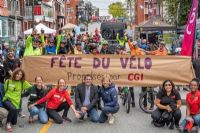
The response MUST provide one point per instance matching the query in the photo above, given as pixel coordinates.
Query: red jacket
(194, 103)
(54, 98)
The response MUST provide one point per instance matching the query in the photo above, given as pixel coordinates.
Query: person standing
(10, 63)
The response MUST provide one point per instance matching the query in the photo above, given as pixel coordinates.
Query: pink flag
(189, 34)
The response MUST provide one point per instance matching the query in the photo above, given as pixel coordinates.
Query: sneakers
(22, 115)
(111, 119)
(8, 127)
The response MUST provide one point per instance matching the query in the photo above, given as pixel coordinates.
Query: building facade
(3, 19)
(146, 9)
(70, 11)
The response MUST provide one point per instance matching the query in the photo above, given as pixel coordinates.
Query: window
(5, 3)
(0, 28)
(4, 27)
(68, 10)
(68, 1)
(11, 25)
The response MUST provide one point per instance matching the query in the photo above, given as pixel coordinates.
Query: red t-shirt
(194, 103)
(55, 97)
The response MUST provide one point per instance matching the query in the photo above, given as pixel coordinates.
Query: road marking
(46, 127)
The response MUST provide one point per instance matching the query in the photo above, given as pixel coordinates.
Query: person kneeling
(109, 96)
(86, 96)
(168, 101)
(37, 92)
(193, 107)
(58, 100)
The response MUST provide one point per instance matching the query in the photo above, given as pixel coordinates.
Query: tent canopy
(155, 24)
(68, 26)
(38, 27)
(181, 29)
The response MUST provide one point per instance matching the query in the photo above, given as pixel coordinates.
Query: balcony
(40, 14)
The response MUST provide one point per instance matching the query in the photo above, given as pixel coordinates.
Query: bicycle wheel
(128, 102)
(148, 97)
(124, 97)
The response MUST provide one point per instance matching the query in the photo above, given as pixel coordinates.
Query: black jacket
(80, 96)
(10, 64)
(34, 95)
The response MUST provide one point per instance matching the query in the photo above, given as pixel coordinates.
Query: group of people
(48, 103)
(168, 102)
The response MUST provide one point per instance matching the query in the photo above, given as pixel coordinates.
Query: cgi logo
(191, 21)
(135, 76)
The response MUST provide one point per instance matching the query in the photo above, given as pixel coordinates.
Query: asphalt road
(134, 122)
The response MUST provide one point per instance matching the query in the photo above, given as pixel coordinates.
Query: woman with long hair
(58, 99)
(35, 93)
(168, 101)
(13, 89)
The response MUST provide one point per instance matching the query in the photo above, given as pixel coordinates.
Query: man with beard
(10, 63)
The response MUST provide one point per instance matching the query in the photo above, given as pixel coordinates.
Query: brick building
(70, 11)
(3, 18)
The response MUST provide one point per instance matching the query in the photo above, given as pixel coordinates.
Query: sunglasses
(168, 84)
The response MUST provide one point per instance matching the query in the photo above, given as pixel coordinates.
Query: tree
(117, 10)
(185, 5)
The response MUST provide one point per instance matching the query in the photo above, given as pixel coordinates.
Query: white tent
(38, 27)
(68, 26)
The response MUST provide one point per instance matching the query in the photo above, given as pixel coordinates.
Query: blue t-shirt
(51, 50)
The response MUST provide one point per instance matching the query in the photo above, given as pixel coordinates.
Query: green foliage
(172, 7)
(117, 10)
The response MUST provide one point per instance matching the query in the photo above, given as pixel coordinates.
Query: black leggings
(53, 113)
(156, 115)
(12, 112)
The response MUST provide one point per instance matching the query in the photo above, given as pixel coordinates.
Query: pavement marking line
(46, 127)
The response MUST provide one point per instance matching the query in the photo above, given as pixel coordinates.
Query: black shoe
(67, 119)
(167, 123)
(171, 125)
(133, 105)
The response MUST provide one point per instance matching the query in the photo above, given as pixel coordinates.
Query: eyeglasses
(168, 84)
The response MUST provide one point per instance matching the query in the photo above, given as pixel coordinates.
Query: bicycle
(127, 99)
(146, 100)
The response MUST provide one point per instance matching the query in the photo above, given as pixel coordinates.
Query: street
(134, 122)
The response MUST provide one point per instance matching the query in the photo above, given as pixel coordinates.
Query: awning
(155, 24)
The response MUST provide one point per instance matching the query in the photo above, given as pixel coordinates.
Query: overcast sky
(103, 5)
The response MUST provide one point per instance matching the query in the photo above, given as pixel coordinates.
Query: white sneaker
(4, 122)
(111, 119)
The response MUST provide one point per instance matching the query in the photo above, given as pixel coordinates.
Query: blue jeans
(107, 110)
(93, 115)
(42, 115)
(196, 119)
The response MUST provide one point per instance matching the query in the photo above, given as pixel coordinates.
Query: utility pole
(15, 6)
(33, 4)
